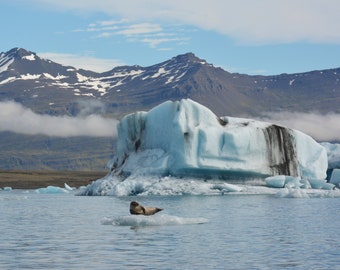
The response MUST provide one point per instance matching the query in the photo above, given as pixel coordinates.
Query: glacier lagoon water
(64, 231)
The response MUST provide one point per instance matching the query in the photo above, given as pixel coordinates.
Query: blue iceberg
(185, 140)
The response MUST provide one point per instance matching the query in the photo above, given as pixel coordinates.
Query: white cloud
(152, 34)
(16, 118)
(140, 28)
(82, 61)
(111, 22)
(155, 42)
(249, 21)
(322, 127)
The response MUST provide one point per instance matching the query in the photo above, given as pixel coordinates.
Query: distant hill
(51, 88)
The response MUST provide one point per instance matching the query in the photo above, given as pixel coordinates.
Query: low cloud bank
(82, 61)
(322, 127)
(16, 118)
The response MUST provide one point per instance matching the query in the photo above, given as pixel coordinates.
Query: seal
(137, 209)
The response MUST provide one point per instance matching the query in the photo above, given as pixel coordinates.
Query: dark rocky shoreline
(37, 179)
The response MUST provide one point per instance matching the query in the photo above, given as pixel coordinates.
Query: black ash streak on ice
(279, 140)
(281, 149)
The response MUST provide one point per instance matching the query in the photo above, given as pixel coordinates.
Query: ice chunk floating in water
(51, 190)
(156, 220)
(67, 187)
(335, 178)
(280, 181)
(155, 185)
(186, 140)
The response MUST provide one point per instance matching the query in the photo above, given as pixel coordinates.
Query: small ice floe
(285, 181)
(293, 187)
(7, 188)
(320, 184)
(155, 220)
(280, 181)
(67, 187)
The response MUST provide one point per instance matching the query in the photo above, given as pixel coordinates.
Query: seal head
(137, 209)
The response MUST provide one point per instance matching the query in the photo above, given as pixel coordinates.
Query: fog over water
(90, 122)
(322, 127)
(16, 118)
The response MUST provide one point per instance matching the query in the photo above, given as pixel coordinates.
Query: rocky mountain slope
(48, 87)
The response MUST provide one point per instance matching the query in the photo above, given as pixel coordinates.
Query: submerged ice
(157, 220)
(185, 142)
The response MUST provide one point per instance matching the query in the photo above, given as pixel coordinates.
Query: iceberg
(186, 140)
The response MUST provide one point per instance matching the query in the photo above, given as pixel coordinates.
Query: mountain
(50, 88)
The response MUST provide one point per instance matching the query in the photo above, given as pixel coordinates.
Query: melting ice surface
(181, 147)
(169, 186)
(155, 220)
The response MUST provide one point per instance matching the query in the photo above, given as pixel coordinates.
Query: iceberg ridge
(186, 139)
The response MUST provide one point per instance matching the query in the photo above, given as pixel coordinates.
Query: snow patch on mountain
(30, 57)
(94, 84)
(122, 73)
(159, 73)
(5, 62)
(63, 85)
(10, 79)
(51, 77)
(29, 76)
(81, 78)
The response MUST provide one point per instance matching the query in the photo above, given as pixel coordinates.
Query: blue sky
(265, 37)
(246, 36)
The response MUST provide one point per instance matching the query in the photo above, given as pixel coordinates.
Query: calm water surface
(63, 231)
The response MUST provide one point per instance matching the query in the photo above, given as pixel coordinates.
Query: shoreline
(18, 179)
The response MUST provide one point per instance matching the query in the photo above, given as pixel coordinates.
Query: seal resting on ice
(137, 209)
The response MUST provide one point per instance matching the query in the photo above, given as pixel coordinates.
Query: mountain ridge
(125, 89)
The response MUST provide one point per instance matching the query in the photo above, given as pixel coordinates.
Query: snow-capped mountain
(48, 87)
(27, 78)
